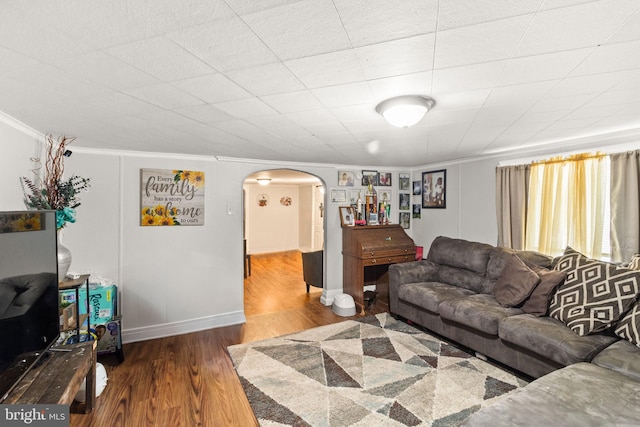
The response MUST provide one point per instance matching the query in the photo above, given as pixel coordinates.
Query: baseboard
(177, 328)
(328, 296)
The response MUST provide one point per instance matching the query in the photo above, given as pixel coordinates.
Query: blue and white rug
(375, 371)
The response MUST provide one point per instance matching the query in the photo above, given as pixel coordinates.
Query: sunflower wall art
(171, 197)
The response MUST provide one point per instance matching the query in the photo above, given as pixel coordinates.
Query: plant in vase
(54, 192)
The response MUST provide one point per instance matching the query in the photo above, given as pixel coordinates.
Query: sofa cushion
(481, 312)
(594, 295)
(628, 327)
(634, 264)
(515, 284)
(536, 258)
(538, 302)
(463, 279)
(458, 253)
(551, 339)
(621, 356)
(581, 395)
(429, 295)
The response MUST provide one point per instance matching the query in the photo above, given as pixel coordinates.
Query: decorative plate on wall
(262, 199)
(285, 201)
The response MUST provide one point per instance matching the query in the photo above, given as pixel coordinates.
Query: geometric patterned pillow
(628, 327)
(634, 264)
(594, 295)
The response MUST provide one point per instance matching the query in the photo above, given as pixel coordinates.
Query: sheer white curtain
(512, 187)
(625, 205)
(567, 205)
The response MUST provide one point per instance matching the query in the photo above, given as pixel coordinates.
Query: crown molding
(19, 126)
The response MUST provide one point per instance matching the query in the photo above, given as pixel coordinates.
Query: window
(568, 205)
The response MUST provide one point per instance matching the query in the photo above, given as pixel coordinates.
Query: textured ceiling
(299, 80)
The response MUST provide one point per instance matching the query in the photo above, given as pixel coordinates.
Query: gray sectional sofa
(497, 302)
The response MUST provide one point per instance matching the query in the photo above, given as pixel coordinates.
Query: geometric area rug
(374, 371)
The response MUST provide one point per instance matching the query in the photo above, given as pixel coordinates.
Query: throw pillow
(634, 264)
(538, 302)
(515, 284)
(628, 327)
(594, 295)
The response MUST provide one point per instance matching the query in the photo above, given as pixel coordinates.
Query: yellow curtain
(566, 204)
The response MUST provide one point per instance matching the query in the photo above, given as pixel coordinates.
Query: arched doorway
(282, 219)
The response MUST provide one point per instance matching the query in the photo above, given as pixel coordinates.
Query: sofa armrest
(413, 272)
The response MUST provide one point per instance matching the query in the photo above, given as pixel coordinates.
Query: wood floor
(189, 380)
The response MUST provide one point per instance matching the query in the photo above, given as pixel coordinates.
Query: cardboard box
(109, 337)
(103, 302)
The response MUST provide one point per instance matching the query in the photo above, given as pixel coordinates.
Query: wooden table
(56, 378)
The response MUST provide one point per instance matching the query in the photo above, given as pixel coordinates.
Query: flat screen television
(29, 317)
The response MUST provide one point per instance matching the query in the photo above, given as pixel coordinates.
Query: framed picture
(405, 218)
(384, 195)
(384, 179)
(404, 180)
(416, 210)
(417, 188)
(373, 219)
(338, 196)
(346, 216)
(369, 177)
(346, 178)
(354, 195)
(405, 201)
(434, 189)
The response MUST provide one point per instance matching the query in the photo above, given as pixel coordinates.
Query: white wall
(181, 279)
(274, 227)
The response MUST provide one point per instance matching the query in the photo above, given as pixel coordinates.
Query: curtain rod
(571, 158)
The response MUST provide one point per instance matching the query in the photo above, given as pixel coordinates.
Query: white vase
(64, 259)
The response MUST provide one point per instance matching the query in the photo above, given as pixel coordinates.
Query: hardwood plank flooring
(189, 380)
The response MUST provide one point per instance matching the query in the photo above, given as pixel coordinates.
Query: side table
(76, 283)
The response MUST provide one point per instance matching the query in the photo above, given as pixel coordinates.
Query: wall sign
(171, 197)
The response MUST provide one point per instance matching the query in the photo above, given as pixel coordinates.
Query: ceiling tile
(224, 44)
(327, 69)
(245, 108)
(384, 20)
(106, 71)
(162, 58)
(290, 102)
(621, 56)
(550, 66)
(242, 7)
(205, 113)
(397, 57)
(479, 43)
(266, 79)
(213, 88)
(300, 29)
(456, 13)
(584, 25)
(469, 77)
(162, 16)
(164, 96)
(348, 94)
(388, 87)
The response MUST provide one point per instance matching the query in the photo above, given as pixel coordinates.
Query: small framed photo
(404, 179)
(384, 195)
(346, 216)
(416, 210)
(384, 179)
(354, 195)
(338, 196)
(405, 218)
(369, 177)
(373, 219)
(405, 201)
(417, 188)
(434, 189)
(346, 178)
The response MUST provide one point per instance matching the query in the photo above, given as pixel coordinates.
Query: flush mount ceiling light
(405, 111)
(263, 181)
